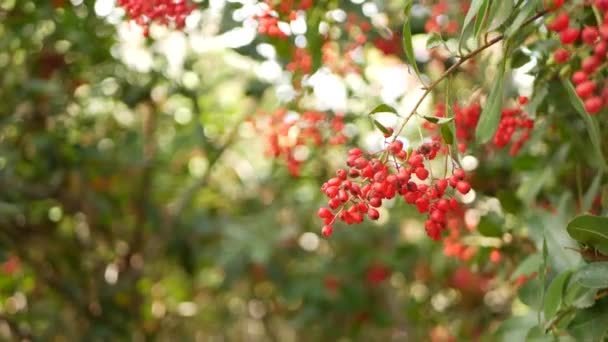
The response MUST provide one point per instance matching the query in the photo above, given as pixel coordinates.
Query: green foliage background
(129, 225)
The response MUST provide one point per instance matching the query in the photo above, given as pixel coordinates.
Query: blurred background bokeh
(139, 198)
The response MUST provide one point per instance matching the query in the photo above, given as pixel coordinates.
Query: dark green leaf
(491, 225)
(447, 134)
(381, 127)
(436, 120)
(591, 231)
(384, 108)
(408, 46)
(555, 293)
(490, 116)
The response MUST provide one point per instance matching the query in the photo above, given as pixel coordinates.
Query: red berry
(585, 89)
(590, 35)
(389, 132)
(327, 230)
(579, 77)
(395, 147)
(459, 173)
(463, 187)
(415, 160)
(569, 35)
(324, 213)
(600, 50)
(375, 202)
(373, 214)
(523, 100)
(495, 256)
(561, 55)
(438, 216)
(421, 173)
(560, 23)
(590, 63)
(602, 4)
(593, 104)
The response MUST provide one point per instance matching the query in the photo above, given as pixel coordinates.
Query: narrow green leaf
(525, 13)
(474, 8)
(490, 116)
(450, 114)
(466, 30)
(593, 190)
(438, 120)
(408, 46)
(555, 294)
(590, 123)
(502, 11)
(593, 275)
(381, 127)
(591, 231)
(482, 18)
(447, 134)
(384, 108)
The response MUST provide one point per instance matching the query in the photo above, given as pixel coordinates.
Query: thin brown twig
(450, 70)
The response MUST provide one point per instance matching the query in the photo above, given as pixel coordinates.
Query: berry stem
(450, 70)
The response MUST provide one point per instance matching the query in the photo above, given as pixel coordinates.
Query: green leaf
(524, 14)
(590, 123)
(555, 293)
(408, 46)
(593, 275)
(482, 18)
(446, 133)
(579, 296)
(593, 190)
(490, 116)
(590, 324)
(528, 266)
(591, 231)
(490, 225)
(435, 40)
(474, 10)
(519, 58)
(384, 108)
(450, 114)
(381, 127)
(437, 120)
(502, 11)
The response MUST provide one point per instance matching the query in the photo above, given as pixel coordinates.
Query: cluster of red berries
(513, 120)
(358, 191)
(287, 134)
(592, 52)
(164, 12)
(439, 22)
